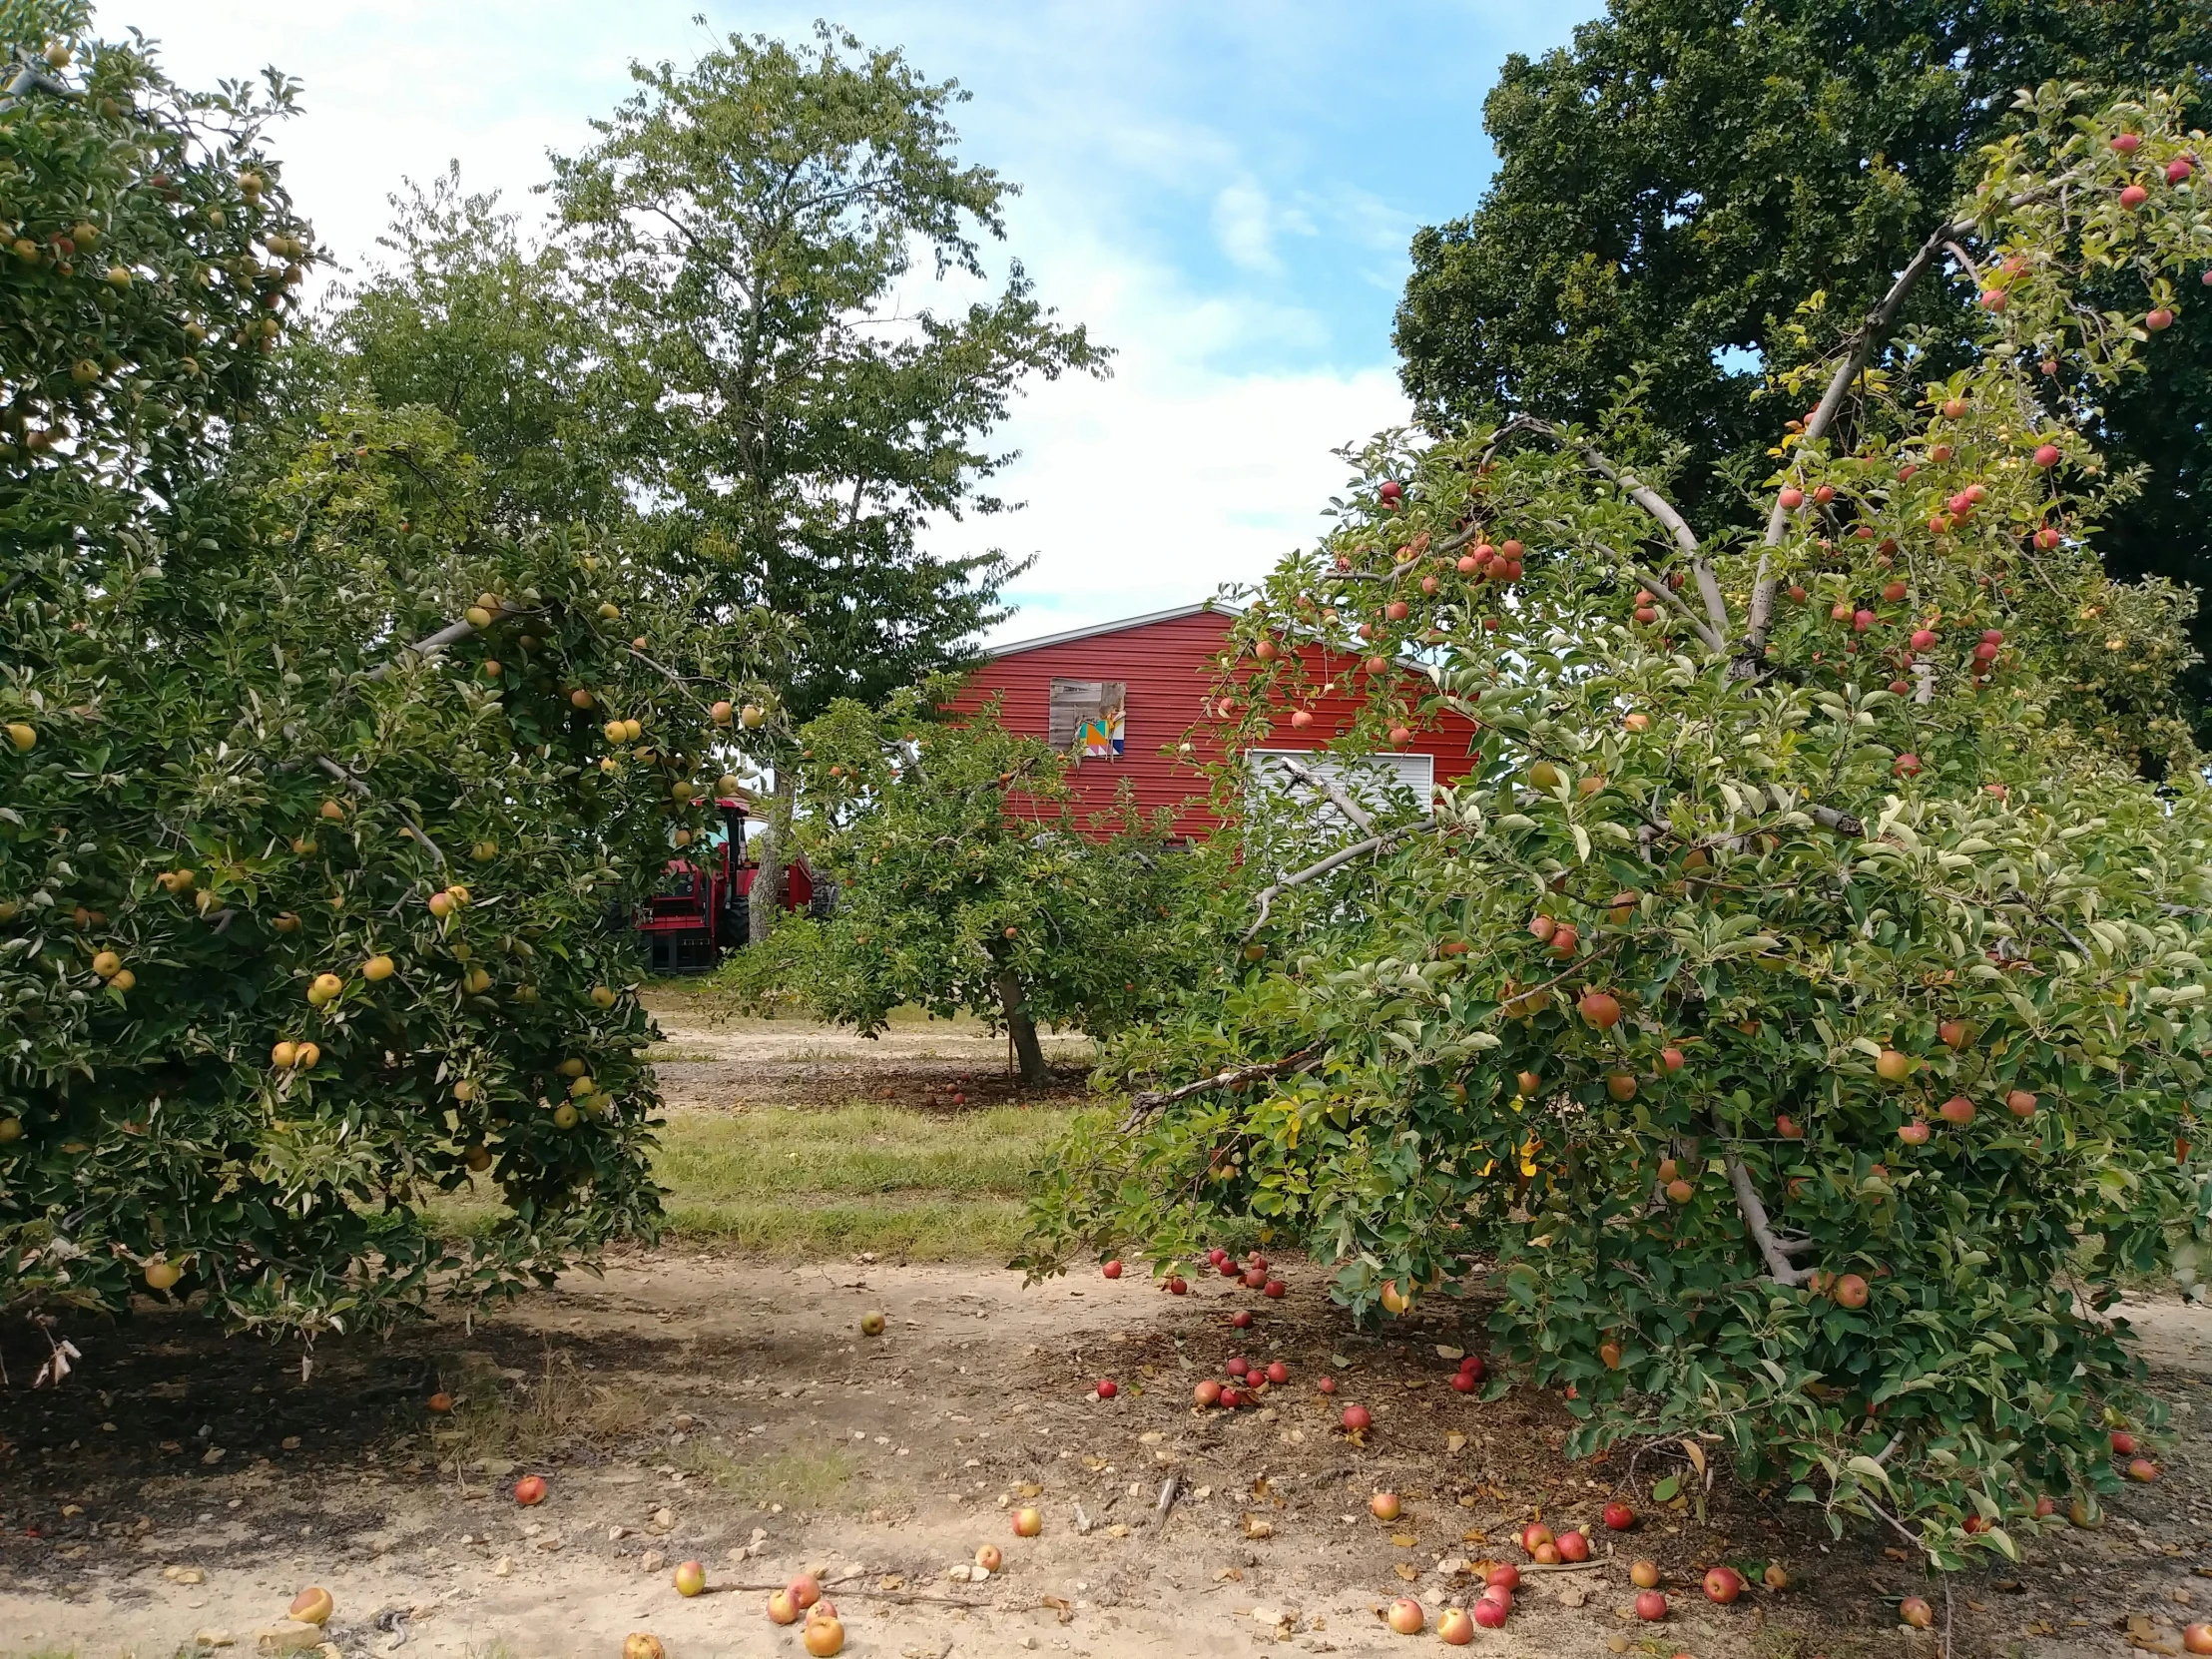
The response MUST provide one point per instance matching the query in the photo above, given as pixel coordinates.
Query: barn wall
(1168, 667)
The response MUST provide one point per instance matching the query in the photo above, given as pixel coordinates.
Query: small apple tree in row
(316, 788)
(966, 881)
(1798, 1020)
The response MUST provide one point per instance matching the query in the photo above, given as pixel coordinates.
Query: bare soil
(713, 1061)
(183, 1487)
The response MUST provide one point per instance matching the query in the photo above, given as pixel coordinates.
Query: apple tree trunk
(1027, 1051)
(766, 897)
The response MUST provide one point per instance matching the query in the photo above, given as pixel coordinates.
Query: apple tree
(966, 881)
(316, 787)
(1793, 1030)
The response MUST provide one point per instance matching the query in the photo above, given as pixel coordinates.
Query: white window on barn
(1370, 780)
(1086, 718)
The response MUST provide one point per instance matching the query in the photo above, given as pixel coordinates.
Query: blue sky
(1223, 191)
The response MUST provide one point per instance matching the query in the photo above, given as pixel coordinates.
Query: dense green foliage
(311, 799)
(1676, 185)
(717, 358)
(1796, 1027)
(967, 882)
(739, 237)
(467, 319)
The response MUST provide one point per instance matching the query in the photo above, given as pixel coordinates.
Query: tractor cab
(702, 904)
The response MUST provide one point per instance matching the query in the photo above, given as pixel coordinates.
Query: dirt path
(713, 1061)
(687, 1407)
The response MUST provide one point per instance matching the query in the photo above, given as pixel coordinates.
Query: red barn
(1120, 696)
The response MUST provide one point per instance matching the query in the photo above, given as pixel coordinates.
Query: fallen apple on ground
(1407, 1616)
(1383, 1507)
(1357, 1418)
(804, 1589)
(1618, 1518)
(1915, 1612)
(1723, 1584)
(1028, 1523)
(643, 1644)
(691, 1578)
(313, 1605)
(1644, 1575)
(1651, 1606)
(987, 1557)
(871, 1324)
(530, 1491)
(781, 1609)
(1455, 1626)
(1490, 1612)
(823, 1636)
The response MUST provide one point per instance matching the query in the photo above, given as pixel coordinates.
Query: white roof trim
(1218, 606)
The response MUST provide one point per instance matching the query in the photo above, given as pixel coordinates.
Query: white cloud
(1245, 226)
(1155, 489)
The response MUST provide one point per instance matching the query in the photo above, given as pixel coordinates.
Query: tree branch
(1360, 817)
(1652, 502)
(1143, 1105)
(2049, 920)
(1754, 1219)
(360, 788)
(1629, 484)
(32, 78)
(1829, 818)
(1316, 870)
(1659, 590)
(1871, 333)
(430, 644)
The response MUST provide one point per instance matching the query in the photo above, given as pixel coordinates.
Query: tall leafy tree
(741, 233)
(1677, 184)
(464, 317)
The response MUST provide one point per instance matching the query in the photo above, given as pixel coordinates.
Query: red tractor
(704, 905)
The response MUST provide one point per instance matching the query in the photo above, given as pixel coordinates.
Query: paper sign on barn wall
(1088, 717)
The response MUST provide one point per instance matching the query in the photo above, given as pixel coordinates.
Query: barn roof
(1219, 607)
